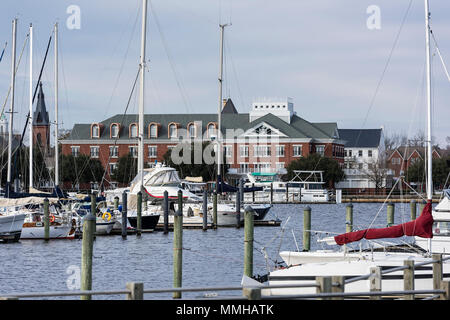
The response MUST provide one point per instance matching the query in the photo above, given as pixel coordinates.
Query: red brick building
(266, 139)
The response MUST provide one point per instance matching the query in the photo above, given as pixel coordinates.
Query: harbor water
(210, 258)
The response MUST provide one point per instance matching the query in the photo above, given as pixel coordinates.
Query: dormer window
(211, 129)
(153, 130)
(133, 130)
(114, 130)
(192, 130)
(95, 130)
(172, 130)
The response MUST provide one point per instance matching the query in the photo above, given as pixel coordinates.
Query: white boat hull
(11, 226)
(55, 232)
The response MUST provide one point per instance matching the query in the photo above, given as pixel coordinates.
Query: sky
(340, 61)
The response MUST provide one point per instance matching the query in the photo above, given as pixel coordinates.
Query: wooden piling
(349, 218)
(238, 211)
(124, 215)
(253, 192)
(324, 285)
(307, 229)
(46, 220)
(87, 250)
(136, 291)
(248, 241)
(205, 211)
(215, 210)
(413, 208)
(166, 212)
(271, 192)
(287, 192)
(178, 247)
(338, 286)
(408, 278)
(390, 214)
(94, 209)
(139, 214)
(437, 270)
(375, 282)
(422, 205)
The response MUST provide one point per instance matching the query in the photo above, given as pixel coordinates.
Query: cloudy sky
(321, 53)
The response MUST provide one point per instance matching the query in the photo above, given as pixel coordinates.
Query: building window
(94, 152)
(243, 151)
(192, 130)
(133, 151)
(153, 130)
(350, 153)
(94, 185)
(360, 153)
(114, 130)
(280, 165)
(95, 131)
(369, 153)
(243, 168)
(280, 151)
(261, 151)
(133, 130)
(297, 151)
(152, 151)
(227, 150)
(395, 160)
(112, 167)
(114, 151)
(360, 166)
(263, 167)
(75, 151)
(320, 150)
(172, 130)
(211, 130)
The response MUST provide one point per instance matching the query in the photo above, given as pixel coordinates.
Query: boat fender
(51, 218)
(106, 214)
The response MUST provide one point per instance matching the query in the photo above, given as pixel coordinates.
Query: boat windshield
(441, 228)
(166, 177)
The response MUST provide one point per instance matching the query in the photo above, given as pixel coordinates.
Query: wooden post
(124, 215)
(306, 229)
(445, 285)
(87, 250)
(166, 212)
(205, 210)
(238, 210)
(248, 241)
(252, 293)
(178, 247)
(253, 192)
(139, 214)
(413, 209)
(300, 193)
(375, 281)
(136, 291)
(390, 214)
(94, 209)
(215, 210)
(287, 192)
(437, 271)
(116, 203)
(324, 286)
(46, 220)
(349, 218)
(408, 278)
(338, 286)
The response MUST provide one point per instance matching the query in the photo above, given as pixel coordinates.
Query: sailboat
(303, 267)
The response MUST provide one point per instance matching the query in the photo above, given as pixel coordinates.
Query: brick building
(266, 139)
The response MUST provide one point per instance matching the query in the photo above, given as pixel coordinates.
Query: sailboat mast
(141, 92)
(30, 118)
(11, 111)
(56, 109)
(219, 111)
(429, 145)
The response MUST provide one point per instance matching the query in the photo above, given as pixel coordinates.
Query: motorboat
(11, 226)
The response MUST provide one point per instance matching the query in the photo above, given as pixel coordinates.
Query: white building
(364, 163)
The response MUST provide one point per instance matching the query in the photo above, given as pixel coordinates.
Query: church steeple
(40, 117)
(41, 123)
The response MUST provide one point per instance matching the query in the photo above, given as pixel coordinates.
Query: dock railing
(326, 287)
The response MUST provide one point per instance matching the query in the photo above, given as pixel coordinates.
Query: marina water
(210, 258)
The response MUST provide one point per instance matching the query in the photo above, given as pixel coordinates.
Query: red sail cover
(421, 227)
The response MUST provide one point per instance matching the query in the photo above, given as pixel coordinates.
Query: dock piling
(136, 291)
(124, 215)
(178, 247)
(205, 211)
(413, 209)
(248, 241)
(349, 218)
(139, 214)
(46, 220)
(215, 210)
(307, 229)
(87, 250)
(166, 212)
(390, 214)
